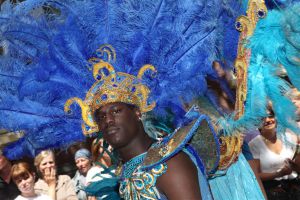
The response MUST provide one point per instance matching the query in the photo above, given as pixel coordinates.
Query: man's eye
(116, 111)
(102, 117)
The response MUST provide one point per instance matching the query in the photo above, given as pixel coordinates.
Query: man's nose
(109, 118)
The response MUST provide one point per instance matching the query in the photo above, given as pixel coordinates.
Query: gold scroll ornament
(231, 145)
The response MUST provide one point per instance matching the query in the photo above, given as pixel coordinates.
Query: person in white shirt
(278, 169)
(24, 177)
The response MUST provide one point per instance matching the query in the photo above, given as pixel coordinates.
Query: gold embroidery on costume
(141, 184)
(231, 145)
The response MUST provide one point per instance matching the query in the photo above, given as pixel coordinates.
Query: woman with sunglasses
(276, 155)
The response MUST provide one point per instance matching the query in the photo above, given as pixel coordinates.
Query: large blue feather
(280, 31)
(49, 43)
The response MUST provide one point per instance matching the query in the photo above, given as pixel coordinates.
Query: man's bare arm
(181, 179)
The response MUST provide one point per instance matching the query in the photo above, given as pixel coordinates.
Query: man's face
(118, 122)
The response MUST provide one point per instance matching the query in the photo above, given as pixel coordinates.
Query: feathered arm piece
(265, 70)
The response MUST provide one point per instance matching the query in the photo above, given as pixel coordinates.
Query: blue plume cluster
(274, 52)
(47, 43)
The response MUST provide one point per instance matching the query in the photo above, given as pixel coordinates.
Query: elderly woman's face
(47, 163)
(83, 165)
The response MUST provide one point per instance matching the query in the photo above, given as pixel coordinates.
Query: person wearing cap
(83, 160)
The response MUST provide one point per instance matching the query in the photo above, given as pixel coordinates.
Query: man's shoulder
(178, 161)
(180, 168)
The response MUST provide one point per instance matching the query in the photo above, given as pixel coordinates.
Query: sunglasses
(270, 114)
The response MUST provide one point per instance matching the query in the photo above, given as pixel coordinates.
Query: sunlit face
(119, 123)
(83, 165)
(26, 184)
(269, 123)
(3, 162)
(47, 163)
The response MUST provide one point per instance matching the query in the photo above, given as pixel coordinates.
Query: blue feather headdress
(47, 45)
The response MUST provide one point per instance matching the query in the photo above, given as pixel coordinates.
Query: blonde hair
(43, 154)
(21, 170)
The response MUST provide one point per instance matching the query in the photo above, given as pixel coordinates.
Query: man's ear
(138, 113)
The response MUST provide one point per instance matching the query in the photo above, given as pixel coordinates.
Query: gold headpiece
(111, 86)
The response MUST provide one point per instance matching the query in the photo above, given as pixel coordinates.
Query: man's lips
(112, 130)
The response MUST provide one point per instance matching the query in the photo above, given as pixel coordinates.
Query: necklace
(268, 140)
(129, 167)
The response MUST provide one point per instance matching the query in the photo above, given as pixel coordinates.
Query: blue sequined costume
(138, 176)
(139, 183)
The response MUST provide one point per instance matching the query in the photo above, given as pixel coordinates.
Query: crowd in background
(54, 176)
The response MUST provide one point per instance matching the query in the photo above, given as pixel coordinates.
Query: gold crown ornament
(110, 86)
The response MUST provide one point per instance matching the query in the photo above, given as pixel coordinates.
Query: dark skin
(122, 128)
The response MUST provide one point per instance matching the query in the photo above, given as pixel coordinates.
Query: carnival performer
(116, 105)
(140, 38)
(46, 47)
(24, 177)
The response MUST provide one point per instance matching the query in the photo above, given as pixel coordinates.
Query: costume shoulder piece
(198, 134)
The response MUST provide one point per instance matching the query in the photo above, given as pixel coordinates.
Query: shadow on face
(119, 122)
